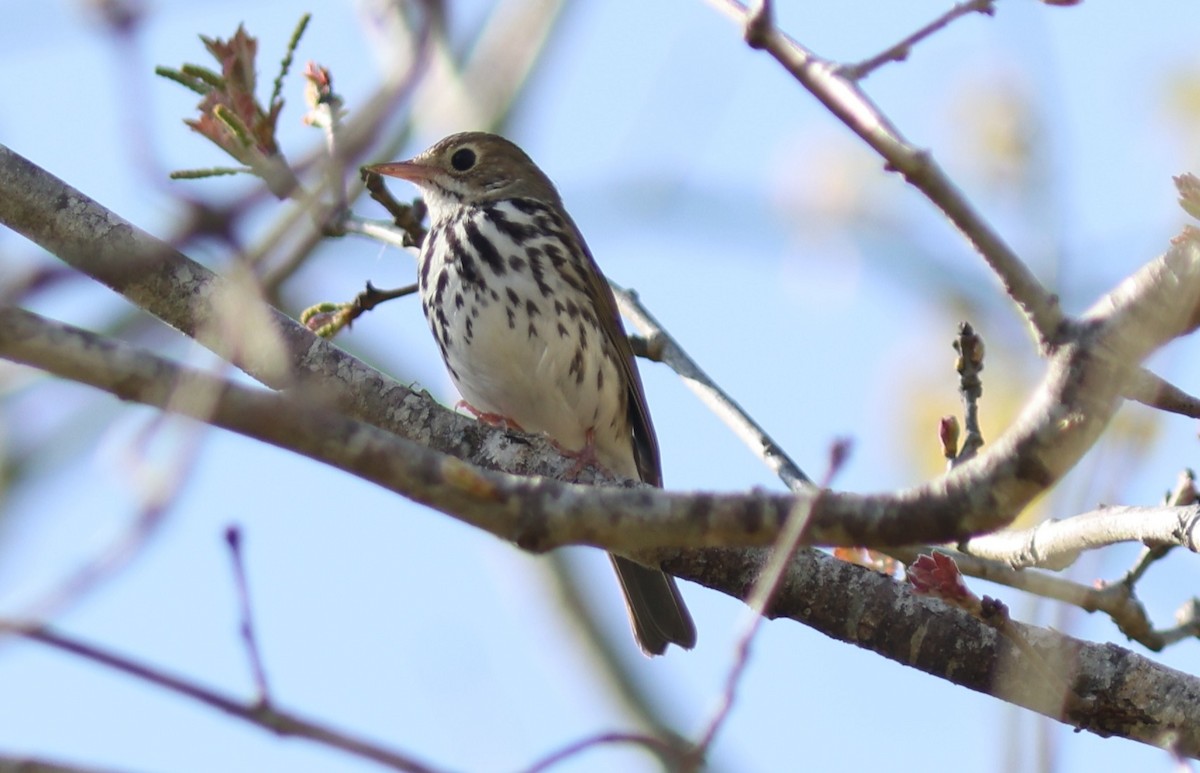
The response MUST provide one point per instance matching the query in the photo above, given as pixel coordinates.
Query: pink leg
(584, 456)
(491, 419)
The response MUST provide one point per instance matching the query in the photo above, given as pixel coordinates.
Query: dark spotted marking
(569, 275)
(538, 272)
(513, 298)
(512, 317)
(532, 309)
(533, 333)
(558, 307)
(572, 309)
(470, 328)
(562, 330)
(462, 258)
(484, 247)
(443, 280)
(599, 379)
(431, 240)
(577, 366)
(458, 300)
(557, 259)
(516, 263)
(579, 274)
(528, 206)
(447, 192)
(518, 232)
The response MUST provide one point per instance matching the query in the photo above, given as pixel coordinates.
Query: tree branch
(1120, 693)
(846, 101)
(257, 713)
(1067, 415)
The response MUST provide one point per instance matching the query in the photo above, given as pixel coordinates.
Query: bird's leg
(490, 419)
(583, 457)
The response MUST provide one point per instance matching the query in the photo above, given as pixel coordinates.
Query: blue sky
(819, 291)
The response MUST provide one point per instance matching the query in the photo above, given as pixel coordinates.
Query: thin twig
(266, 717)
(12, 763)
(233, 539)
(900, 51)
(759, 600)
(408, 217)
(660, 346)
(1153, 391)
(665, 752)
(160, 489)
(637, 696)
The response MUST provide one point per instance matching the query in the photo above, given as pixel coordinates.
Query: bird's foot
(490, 419)
(582, 458)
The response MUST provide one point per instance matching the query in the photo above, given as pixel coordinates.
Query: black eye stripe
(463, 159)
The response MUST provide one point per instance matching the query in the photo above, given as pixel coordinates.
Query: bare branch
(1055, 544)
(848, 103)
(1121, 692)
(1151, 390)
(1065, 417)
(233, 539)
(660, 346)
(766, 588)
(10, 763)
(279, 722)
(900, 51)
(669, 755)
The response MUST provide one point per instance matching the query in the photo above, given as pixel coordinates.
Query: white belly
(537, 360)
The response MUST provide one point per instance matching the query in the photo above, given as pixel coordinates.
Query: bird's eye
(463, 159)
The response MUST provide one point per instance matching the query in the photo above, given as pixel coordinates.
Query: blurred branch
(159, 492)
(764, 591)
(1151, 390)
(634, 694)
(666, 753)
(11, 763)
(256, 713)
(846, 101)
(233, 540)
(477, 90)
(900, 51)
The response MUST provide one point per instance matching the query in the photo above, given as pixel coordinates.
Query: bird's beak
(405, 170)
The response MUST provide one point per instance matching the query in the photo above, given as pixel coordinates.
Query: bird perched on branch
(530, 332)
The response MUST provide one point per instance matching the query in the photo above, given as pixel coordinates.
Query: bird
(529, 331)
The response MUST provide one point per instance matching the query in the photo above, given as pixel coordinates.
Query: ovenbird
(529, 330)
